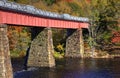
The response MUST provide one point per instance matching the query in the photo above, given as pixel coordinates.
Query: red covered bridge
(15, 18)
(40, 52)
(26, 15)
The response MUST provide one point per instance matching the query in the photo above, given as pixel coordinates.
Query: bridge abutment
(41, 50)
(5, 61)
(74, 44)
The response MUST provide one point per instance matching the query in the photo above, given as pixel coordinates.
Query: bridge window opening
(19, 41)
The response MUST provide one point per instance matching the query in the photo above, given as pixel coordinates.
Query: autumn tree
(19, 39)
(102, 16)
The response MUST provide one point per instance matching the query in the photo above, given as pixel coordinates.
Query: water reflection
(76, 68)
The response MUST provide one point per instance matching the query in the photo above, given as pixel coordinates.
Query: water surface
(73, 68)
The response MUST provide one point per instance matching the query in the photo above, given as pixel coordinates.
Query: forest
(104, 30)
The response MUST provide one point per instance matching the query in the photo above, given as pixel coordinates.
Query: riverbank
(57, 55)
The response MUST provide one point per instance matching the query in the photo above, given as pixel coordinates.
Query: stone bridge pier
(41, 49)
(74, 43)
(5, 61)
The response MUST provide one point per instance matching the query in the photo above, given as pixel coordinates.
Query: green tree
(49, 2)
(102, 15)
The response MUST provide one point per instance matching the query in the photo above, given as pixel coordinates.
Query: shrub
(60, 48)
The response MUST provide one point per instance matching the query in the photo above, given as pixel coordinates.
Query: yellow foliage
(60, 47)
(22, 54)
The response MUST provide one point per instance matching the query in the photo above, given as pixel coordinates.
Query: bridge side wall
(74, 44)
(35, 21)
(5, 61)
(41, 50)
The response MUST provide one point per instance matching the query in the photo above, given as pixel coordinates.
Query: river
(72, 68)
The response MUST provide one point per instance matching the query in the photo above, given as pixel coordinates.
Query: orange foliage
(69, 0)
(12, 30)
(88, 0)
(116, 37)
(19, 29)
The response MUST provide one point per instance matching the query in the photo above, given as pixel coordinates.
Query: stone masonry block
(5, 61)
(74, 44)
(41, 50)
